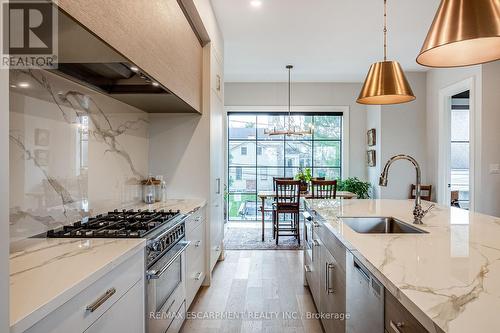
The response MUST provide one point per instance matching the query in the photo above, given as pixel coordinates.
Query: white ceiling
(326, 40)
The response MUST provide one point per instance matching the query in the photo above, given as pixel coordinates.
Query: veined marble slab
(449, 278)
(46, 273)
(184, 205)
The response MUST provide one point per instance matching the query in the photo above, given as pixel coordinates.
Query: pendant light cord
(385, 30)
(289, 97)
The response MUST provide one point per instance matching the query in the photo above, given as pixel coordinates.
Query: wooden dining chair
(324, 189)
(267, 208)
(279, 178)
(287, 201)
(426, 192)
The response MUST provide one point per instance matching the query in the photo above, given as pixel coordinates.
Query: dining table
(264, 195)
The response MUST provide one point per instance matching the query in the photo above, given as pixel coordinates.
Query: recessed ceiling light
(156, 84)
(134, 68)
(23, 84)
(256, 3)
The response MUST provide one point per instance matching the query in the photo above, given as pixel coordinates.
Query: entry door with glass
(459, 175)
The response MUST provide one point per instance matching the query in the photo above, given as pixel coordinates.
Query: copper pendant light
(386, 82)
(463, 33)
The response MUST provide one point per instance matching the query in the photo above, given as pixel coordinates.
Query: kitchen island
(447, 278)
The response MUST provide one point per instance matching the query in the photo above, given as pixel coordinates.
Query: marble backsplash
(73, 152)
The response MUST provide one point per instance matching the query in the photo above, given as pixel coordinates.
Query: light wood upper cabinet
(153, 34)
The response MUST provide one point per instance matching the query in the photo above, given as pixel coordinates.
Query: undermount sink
(380, 225)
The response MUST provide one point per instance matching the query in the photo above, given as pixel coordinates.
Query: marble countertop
(448, 278)
(184, 205)
(45, 273)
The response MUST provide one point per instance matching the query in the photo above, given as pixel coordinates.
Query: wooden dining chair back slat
(425, 190)
(324, 189)
(288, 192)
(279, 178)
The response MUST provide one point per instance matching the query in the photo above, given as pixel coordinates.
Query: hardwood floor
(266, 286)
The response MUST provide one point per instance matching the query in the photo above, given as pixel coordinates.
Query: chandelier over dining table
(290, 129)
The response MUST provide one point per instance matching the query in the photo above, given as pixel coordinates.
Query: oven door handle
(156, 274)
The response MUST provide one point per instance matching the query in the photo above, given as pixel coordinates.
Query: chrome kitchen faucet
(418, 211)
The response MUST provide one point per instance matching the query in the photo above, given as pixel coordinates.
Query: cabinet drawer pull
(100, 301)
(217, 249)
(328, 287)
(396, 326)
(198, 276)
(316, 243)
(307, 268)
(316, 224)
(197, 244)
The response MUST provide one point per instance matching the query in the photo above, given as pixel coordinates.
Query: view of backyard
(254, 157)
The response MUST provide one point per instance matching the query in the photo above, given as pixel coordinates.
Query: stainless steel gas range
(165, 257)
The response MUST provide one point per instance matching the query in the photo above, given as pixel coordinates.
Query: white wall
(489, 189)
(310, 94)
(403, 132)
(374, 120)
(4, 200)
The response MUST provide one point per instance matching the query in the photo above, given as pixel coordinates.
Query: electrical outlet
(494, 169)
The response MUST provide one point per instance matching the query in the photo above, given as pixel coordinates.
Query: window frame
(342, 111)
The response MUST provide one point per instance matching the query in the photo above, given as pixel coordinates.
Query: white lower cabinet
(126, 315)
(113, 303)
(176, 324)
(196, 263)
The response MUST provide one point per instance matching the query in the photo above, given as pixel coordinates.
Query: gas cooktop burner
(117, 224)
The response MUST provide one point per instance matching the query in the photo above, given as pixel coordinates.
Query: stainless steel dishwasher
(364, 299)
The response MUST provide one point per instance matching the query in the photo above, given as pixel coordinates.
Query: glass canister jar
(148, 190)
(160, 189)
(157, 184)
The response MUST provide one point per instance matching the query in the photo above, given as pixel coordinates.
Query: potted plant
(305, 177)
(356, 186)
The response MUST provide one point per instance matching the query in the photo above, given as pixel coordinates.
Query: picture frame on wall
(42, 137)
(371, 158)
(371, 137)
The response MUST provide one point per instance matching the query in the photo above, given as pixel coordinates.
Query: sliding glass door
(254, 157)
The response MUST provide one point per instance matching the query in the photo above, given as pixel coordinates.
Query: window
(266, 157)
(263, 175)
(239, 173)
